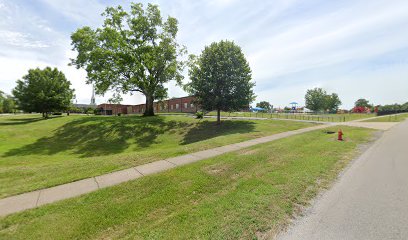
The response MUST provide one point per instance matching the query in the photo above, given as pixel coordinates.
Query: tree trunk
(218, 116)
(149, 111)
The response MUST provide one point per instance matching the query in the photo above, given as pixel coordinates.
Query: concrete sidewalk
(37, 198)
(372, 125)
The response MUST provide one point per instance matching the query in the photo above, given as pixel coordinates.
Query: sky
(355, 48)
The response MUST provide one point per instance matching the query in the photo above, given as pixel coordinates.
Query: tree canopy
(317, 99)
(362, 103)
(392, 108)
(132, 51)
(333, 102)
(265, 105)
(43, 91)
(221, 78)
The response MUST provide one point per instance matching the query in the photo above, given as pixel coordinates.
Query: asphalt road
(370, 201)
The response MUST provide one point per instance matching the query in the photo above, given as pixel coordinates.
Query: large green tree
(332, 102)
(43, 91)
(317, 99)
(132, 51)
(221, 78)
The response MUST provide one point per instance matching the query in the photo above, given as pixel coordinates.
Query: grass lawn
(248, 194)
(322, 118)
(37, 153)
(394, 118)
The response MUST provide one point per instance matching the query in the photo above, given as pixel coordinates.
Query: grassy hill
(37, 153)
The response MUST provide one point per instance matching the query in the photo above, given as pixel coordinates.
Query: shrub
(361, 110)
(199, 115)
(392, 109)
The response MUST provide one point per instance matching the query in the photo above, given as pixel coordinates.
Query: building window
(171, 106)
(185, 105)
(161, 107)
(191, 105)
(177, 106)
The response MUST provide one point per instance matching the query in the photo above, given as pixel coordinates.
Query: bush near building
(361, 110)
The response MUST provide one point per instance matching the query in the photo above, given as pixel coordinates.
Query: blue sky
(354, 48)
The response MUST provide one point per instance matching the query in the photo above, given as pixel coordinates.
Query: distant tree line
(392, 108)
(363, 105)
(83, 110)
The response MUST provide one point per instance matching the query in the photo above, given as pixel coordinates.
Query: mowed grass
(37, 153)
(309, 117)
(248, 194)
(392, 118)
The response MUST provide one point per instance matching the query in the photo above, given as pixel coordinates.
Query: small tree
(265, 105)
(43, 91)
(221, 78)
(2, 98)
(133, 51)
(9, 104)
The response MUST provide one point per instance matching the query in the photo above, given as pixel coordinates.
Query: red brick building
(113, 109)
(183, 104)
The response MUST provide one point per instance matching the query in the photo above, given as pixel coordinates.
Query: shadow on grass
(101, 136)
(22, 121)
(96, 136)
(207, 130)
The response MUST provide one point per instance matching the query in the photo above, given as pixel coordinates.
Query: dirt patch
(248, 151)
(217, 169)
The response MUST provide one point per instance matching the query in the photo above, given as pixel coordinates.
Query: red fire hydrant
(340, 135)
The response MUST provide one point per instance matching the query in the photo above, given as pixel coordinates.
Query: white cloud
(87, 12)
(331, 39)
(19, 39)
